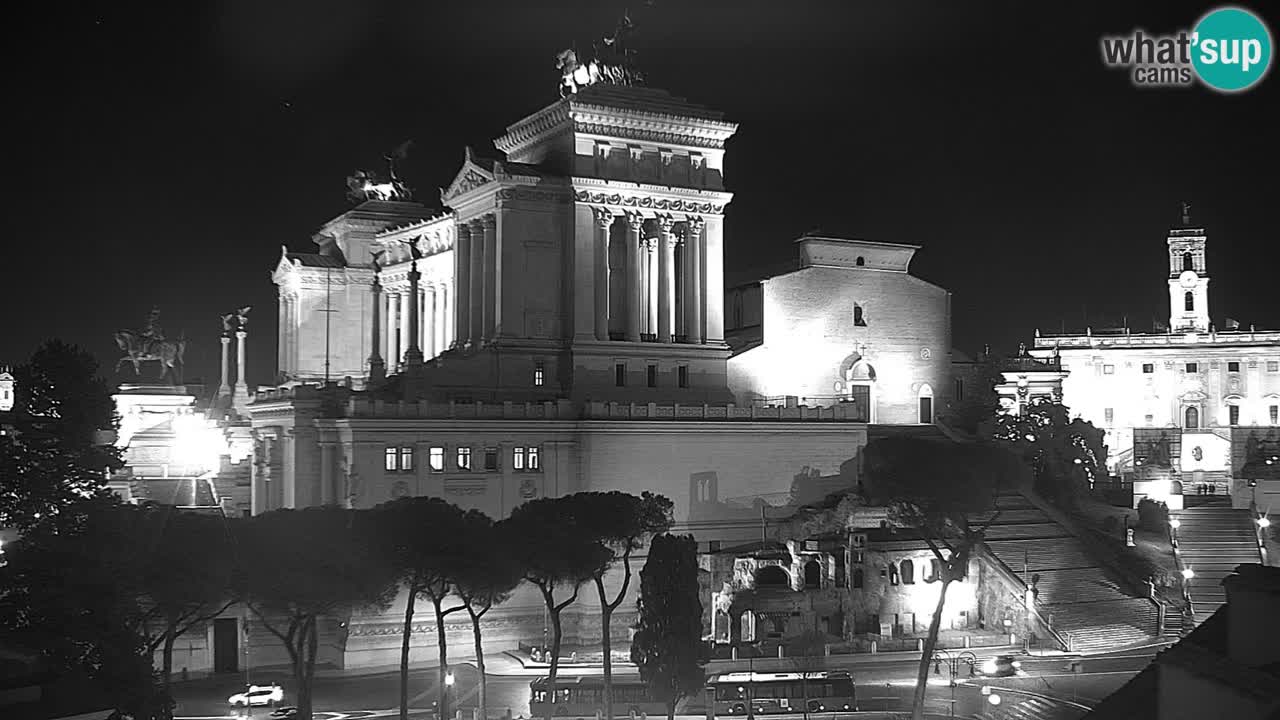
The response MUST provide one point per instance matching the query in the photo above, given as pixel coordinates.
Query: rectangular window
(464, 458)
(620, 374)
(1108, 369)
(1275, 414)
(537, 375)
(959, 391)
(1110, 415)
(1273, 366)
(391, 461)
(491, 458)
(1233, 366)
(1233, 414)
(436, 458)
(1148, 368)
(1193, 367)
(682, 376)
(406, 459)
(533, 458)
(517, 459)
(652, 375)
(1150, 419)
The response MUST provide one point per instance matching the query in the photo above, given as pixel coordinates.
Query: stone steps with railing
(1213, 539)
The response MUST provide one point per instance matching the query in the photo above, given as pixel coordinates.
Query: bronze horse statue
(139, 349)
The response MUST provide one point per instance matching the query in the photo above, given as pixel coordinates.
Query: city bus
(771, 693)
(579, 698)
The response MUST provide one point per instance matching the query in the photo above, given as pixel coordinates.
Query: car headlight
(846, 707)
(1017, 664)
(989, 666)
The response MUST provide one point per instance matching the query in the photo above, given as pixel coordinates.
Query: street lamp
(449, 680)
(1188, 573)
(953, 666)
(1174, 524)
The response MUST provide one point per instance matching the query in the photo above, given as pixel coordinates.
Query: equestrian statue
(150, 345)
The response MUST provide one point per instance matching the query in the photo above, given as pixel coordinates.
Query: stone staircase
(1075, 593)
(1212, 541)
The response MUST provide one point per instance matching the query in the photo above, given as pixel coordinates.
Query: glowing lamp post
(1263, 523)
(1174, 524)
(449, 680)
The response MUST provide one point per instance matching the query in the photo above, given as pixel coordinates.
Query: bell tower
(1188, 277)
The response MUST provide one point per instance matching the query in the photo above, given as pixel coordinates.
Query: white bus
(736, 693)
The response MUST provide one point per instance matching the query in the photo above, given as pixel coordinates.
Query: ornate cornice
(648, 202)
(509, 194)
(533, 128)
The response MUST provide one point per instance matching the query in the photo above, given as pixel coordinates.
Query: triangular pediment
(472, 175)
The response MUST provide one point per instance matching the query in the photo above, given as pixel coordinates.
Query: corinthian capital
(665, 223)
(604, 217)
(696, 223)
(635, 221)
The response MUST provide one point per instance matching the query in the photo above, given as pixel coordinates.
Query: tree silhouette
(487, 574)
(667, 646)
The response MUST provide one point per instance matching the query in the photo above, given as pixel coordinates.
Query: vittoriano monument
(150, 345)
(612, 62)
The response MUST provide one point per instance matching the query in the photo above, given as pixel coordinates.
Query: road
(1045, 689)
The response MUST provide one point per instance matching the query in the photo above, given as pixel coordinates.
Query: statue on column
(149, 345)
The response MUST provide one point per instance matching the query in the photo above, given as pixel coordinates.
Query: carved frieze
(648, 203)
(507, 194)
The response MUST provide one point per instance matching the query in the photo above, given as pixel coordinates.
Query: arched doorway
(925, 400)
(772, 576)
(860, 379)
(812, 575)
(1192, 416)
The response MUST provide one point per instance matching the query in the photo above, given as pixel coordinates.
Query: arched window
(908, 572)
(1188, 262)
(1193, 418)
(857, 578)
(893, 574)
(812, 575)
(925, 397)
(772, 576)
(1189, 301)
(932, 575)
(858, 319)
(860, 261)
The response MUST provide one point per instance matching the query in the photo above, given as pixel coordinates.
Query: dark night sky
(166, 151)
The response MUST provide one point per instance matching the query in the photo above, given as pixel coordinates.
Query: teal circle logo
(1231, 49)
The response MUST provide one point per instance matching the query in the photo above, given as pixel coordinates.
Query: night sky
(165, 151)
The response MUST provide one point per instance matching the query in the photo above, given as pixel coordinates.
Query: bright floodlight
(448, 678)
(1175, 523)
(994, 699)
(1188, 573)
(1264, 522)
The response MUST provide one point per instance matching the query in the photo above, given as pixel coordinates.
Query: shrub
(1152, 515)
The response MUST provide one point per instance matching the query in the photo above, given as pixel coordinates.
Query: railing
(653, 411)
(1032, 612)
(1100, 338)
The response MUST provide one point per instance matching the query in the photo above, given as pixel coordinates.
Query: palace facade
(1189, 408)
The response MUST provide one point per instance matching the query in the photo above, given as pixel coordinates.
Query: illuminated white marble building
(1213, 387)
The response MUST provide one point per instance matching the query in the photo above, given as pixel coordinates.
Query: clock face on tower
(1188, 278)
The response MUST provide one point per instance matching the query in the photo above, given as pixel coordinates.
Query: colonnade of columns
(396, 312)
(477, 313)
(662, 302)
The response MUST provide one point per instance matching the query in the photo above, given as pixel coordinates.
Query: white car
(258, 695)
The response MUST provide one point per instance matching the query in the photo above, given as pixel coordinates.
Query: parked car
(258, 695)
(1001, 666)
(285, 713)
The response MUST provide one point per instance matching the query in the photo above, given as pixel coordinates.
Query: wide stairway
(1075, 594)
(1213, 539)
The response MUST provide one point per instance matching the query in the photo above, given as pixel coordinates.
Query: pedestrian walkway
(1213, 539)
(1075, 592)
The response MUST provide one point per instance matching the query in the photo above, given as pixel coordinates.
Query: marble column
(694, 305)
(377, 366)
(492, 277)
(666, 277)
(462, 276)
(405, 317)
(604, 221)
(241, 398)
(282, 339)
(413, 355)
(224, 388)
(651, 286)
(448, 332)
(328, 491)
(635, 292)
(429, 323)
(475, 333)
(393, 331)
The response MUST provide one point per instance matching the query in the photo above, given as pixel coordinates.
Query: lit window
(436, 457)
(1233, 366)
(517, 459)
(537, 375)
(391, 460)
(1233, 414)
(406, 459)
(464, 458)
(652, 375)
(682, 376)
(1193, 367)
(620, 374)
(1109, 414)
(1108, 369)
(1148, 368)
(534, 458)
(491, 458)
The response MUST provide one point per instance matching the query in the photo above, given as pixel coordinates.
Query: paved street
(1046, 689)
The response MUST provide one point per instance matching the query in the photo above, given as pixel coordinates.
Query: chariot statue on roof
(612, 61)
